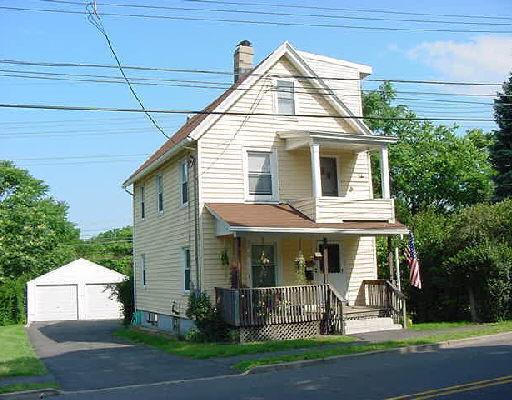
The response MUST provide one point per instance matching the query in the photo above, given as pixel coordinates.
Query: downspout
(196, 219)
(134, 315)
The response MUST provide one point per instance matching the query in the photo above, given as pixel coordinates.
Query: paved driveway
(85, 355)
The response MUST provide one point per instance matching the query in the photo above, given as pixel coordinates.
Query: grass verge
(21, 387)
(483, 329)
(427, 326)
(210, 350)
(17, 357)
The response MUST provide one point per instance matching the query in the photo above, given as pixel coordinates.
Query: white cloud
(483, 58)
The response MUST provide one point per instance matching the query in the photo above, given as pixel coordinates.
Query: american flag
(412, 261)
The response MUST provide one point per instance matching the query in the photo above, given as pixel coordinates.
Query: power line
(281, 14)
(230, 73)
(96, 21)
(76, 157)
(203, 112)
(260, 22)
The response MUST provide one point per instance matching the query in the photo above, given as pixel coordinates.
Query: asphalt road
(480, 369)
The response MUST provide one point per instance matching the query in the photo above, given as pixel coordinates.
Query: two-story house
(255, 194)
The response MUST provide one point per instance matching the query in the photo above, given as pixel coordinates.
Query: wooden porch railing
(382, 294)
(281, 305)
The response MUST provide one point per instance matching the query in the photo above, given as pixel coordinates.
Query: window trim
(274, 197)
(143, 271)
(159, 186)
(142, 202)
(295, 97)
(184, 164)
(184, 250)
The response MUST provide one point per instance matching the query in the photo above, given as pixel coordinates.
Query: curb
(403, 350)
(30, 394)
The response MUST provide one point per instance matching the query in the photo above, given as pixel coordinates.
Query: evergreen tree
(501, 150)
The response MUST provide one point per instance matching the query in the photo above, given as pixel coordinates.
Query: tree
(35, 235)
(112, 249)
(431, 165)
(501, 150)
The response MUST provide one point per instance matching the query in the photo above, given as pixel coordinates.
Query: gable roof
(194, 128)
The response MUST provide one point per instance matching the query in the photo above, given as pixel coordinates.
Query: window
(263, 267)
(142, 202)
(159, 193)
(285, 97)
(333, 257)
(184, 182)
(152, 318)
(143, 269)
(186, 269)
(259, 173)
(329, 176)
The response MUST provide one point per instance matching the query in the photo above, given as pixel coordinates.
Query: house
(80, 290)
(251, 197)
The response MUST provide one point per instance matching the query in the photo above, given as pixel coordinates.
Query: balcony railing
(340, 209)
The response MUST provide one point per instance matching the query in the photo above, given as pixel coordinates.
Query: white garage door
(56, 303)
(100, 303)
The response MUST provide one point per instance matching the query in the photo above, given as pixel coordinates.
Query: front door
(329, 176)
(263, 265)
(335, 275)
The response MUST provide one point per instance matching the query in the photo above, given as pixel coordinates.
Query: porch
(292, 312)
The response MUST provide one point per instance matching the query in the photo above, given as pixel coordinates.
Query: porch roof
(282, 218)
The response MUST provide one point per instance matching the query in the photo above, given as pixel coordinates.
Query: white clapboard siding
(335, 209)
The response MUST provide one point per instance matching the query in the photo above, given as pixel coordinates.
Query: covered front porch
(290, 281)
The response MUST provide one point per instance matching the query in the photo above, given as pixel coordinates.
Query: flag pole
(397, 269)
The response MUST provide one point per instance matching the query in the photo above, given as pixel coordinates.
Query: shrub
(209, 324)
(123, 292)
(12, 302)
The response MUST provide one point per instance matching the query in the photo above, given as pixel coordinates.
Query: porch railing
(281, 305)
(382, 294)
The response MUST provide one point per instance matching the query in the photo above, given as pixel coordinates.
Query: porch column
(384, 172)
(315, 169)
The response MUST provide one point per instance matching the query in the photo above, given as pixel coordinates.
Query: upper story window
(142, 202)
(184, 182)
(159, 193)
(285, 97)
(261, 177)
(186, 269)
(143, 269)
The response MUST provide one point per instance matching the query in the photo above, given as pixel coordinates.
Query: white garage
(76, 291)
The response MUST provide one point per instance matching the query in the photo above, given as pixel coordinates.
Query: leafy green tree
(501, 150)
(35, 235)
(112, 249)
(431, 166)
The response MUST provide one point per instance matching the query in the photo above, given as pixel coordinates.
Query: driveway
(85, 355)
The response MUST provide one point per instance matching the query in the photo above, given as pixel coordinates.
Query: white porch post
(384, 172)
(315, 169)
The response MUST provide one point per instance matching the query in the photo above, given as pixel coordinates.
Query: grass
(21, 387)
(483, 329)
(17, 356)
(440, 325)
(210, 350)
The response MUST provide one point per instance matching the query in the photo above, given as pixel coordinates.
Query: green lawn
(210, 350)
(17, 357)
(440, 325)
(21, 387)
(483, 329)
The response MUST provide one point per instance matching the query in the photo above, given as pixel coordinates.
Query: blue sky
(93, 189)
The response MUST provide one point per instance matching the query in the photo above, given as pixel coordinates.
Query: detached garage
(76, 291)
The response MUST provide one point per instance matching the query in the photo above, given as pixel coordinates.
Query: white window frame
(184, 167)
(295, 97)
(143, 210)
(143, 271)
(274, 197)
(159, 188)
(184, 264)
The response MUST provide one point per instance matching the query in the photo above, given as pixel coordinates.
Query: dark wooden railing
(382, 294)
(281, 305)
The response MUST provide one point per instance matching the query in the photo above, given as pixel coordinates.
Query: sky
(85, 156)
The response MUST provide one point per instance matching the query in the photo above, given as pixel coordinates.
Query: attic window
(285, 97)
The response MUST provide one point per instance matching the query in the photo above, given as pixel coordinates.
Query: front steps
(354, 326)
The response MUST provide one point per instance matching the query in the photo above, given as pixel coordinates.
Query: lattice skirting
(297, 330)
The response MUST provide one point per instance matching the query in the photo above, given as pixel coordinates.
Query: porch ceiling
(303, 138)
(234, 218)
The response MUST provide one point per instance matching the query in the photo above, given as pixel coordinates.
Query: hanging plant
(264, 260)
(300, 269)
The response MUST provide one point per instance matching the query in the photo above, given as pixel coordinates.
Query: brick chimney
(243, 59)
